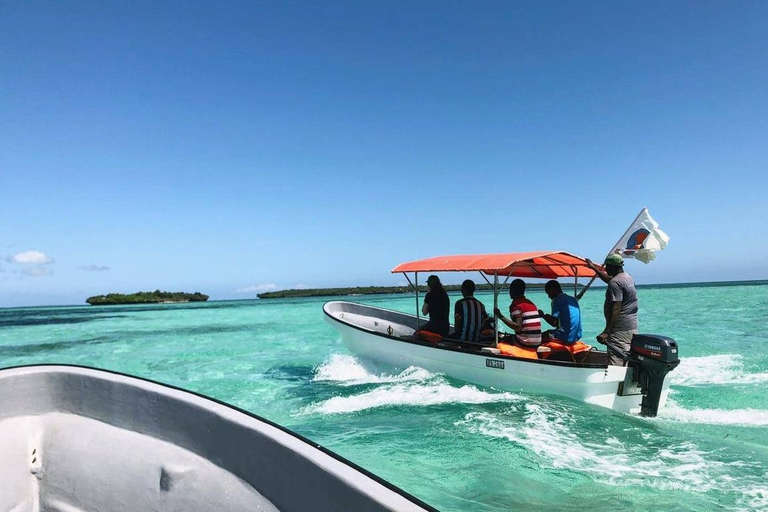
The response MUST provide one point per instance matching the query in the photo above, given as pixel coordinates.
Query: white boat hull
(366, 333)
(75, 439)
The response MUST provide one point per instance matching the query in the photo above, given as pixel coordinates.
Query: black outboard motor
(651, 357)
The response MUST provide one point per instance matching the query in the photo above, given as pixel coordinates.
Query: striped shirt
(530, 334)
(472, 313)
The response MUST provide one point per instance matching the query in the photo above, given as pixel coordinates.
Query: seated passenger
(566, 315)
(437, 305)
(469, 314)
(523, 316)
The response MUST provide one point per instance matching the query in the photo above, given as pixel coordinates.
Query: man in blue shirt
(565, 317)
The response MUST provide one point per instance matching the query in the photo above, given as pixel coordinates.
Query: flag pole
(584, 290)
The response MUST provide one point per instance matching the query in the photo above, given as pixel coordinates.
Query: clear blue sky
(229, 147)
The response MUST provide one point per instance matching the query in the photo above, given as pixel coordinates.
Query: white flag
(642, 239)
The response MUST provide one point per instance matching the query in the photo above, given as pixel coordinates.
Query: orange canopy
(541, 264)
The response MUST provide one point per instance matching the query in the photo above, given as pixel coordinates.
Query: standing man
(437, 305)
(620, 307)
(469, 314)
(565, 317)
(523, 316)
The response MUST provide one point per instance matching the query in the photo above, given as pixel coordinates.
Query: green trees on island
(145, 298)
(330, 292)
(370, 290)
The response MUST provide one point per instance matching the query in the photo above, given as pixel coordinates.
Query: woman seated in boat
(437, 305)
(523, 316)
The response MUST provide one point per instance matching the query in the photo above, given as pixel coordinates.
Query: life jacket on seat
(509, 349)
(431, 337)
(551, 349)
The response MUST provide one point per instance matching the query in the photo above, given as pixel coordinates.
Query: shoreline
(697, 284)
(394, 290)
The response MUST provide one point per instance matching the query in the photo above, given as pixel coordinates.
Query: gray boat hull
(75, 438)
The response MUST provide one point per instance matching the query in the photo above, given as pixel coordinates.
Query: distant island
(373, 290)
(154, 297)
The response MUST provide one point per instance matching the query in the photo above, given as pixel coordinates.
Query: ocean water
(456, 445)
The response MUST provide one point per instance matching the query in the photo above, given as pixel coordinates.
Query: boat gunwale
(392, 487)
(567, 364)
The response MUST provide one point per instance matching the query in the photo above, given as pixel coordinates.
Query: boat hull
(75, 438)
(366, 332)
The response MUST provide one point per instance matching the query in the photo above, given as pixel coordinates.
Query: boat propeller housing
(651, 357)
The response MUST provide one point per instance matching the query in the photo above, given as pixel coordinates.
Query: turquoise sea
(456, 445)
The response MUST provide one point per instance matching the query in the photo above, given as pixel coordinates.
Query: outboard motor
(651, 357)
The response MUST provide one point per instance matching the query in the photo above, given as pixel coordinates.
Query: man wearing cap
(620, 307)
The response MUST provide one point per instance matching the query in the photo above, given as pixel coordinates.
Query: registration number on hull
(494, 363)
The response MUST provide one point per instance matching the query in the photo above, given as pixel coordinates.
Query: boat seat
(558, 351)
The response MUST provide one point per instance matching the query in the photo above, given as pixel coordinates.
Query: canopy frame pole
(496, 298)
(486, 278)
(409, 281)
(418, 317)
(496, 306)
(575, 280)
(584, 290)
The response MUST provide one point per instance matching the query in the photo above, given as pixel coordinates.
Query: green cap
(614, 259)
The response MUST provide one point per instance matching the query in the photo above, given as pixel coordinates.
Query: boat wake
(724, 369)
(715, 370)
(553, 436)
(412, 387)
(346, 370)
(735, 417)
(411, 395)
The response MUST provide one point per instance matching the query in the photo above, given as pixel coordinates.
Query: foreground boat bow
(75, 438)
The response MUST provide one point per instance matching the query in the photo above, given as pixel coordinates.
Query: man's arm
(457, 320)
(515, 326)
(615, 312)
(599, 271)
(425, 307)
(550, 319)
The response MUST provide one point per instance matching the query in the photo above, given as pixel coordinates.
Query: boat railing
(370, 318)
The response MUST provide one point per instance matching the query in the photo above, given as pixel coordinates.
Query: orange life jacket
(431, 337)
(516, 351)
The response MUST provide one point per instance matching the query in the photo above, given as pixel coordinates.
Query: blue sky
(241, 146)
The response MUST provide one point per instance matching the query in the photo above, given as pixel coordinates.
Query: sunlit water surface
(456, 445)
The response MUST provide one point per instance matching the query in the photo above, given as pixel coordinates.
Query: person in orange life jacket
(523, 316)
(437, 305)
(620, 306)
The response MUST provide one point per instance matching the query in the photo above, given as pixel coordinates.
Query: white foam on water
(736, 417)
(720, 369)
(346, 370)
(757, 497)
(410, 394)
(552, 436)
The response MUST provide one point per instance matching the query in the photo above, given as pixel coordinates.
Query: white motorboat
(385, 336)
(75, 439)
